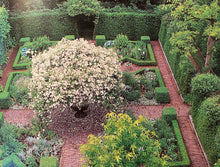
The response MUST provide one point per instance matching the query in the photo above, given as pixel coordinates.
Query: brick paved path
(70, 152)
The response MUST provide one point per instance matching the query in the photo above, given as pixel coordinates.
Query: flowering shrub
(126, 142)
(74, 73)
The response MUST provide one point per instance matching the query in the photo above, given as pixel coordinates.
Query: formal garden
(109, 83)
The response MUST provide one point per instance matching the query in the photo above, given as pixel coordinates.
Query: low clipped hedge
(185, 159)
(100, 40)
(70, 37)
(145, 39)
(4, 100)
(22, 41)
(12, 161)
(22, 66)
(1, 119)
(49, 162)
(5, 95)
(162, 95)
(16, 65)
(156, 70)
(169, 114)
(151, 62)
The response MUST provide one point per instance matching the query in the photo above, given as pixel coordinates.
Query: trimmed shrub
(70, 37)
(169, 114)
(206, 122)
(185, 159)
(145, 39)
(100, 40)
(49, 162)
(150, 52)
(12, 161)
(162, 95)
(134, 25)
(1, 119)
(22, 41)
(4, 100)
(52, 23)
(205, 85)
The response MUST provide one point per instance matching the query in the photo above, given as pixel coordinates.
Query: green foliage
(162, 95)
(30, 162)
(120, 146)
(4, 30)
(129, 79)
(4, 100)
(121, 41)
(184, 39)
(80, 7)
(206, 122)
(167, 139)
(145, 39)
(133, 25)
(53, 23)
(217, 141)
(38, 44)
(132, 95)
(22, 41)
(1, 119)
(205, 85)
(1, 88)
(169, 114)
(185, 159)
(100, 40)
(70, 37)
(5, 27)
(19, 89)
(181, 67)
(12, 161)
(185, 74)
(9, 142)
(49, 162)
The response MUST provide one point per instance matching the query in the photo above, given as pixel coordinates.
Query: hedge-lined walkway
(70, 152)
(194, 151)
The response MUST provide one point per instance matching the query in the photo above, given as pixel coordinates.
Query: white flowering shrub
(74, 73)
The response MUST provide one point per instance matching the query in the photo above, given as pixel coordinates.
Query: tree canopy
(187, 16)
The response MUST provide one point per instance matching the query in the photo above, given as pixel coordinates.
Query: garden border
(5, 95)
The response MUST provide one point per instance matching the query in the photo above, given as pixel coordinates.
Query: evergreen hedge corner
(145, 39)
(1, 119)
(169, 114)
(185, 159)
(100, 40)
(12, 161)
(162, 95)
(49, 162)
(4, 100)
(70, 37)
(22, 41)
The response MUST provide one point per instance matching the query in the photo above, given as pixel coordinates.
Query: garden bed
(22, 61)
(142, 87)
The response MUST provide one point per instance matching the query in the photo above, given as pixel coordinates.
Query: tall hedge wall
(182, 67)
(52, 23)
(134, 25)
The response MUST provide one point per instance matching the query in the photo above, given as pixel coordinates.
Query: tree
(74, 74)
(125, 143)
(188, 14)
(83, 7)
(5, 27)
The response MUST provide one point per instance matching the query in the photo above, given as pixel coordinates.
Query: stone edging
(200, 145)
(171, 70)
